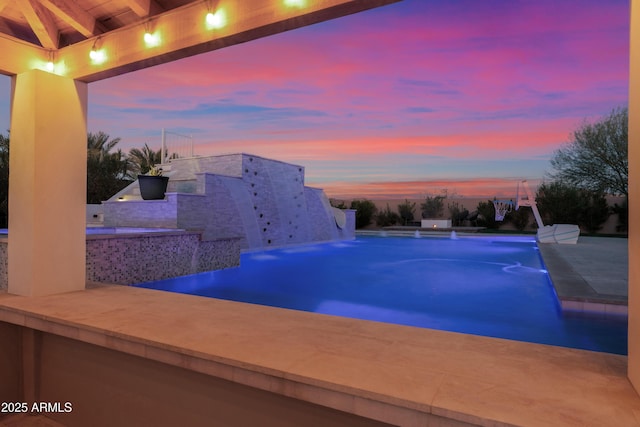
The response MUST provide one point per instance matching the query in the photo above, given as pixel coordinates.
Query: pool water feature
(495, 287)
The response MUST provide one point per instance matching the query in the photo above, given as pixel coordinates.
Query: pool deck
(396, 374)
(591, 275)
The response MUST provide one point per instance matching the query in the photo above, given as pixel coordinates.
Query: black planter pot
(153, 187)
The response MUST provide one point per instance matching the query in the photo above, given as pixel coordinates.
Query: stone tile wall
(125, 259)
(276, 190)
(134, 258)
(224, 209)
(142, 213)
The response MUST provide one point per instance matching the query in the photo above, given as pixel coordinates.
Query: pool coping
(395, 374)
(574, 292)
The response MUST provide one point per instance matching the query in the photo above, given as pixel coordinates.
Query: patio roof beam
(144, 8)
(77, 17)
(3, 3)
(181, 33)
(19, 56)
(42, 23)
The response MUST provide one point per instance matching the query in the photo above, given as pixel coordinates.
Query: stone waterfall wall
(279, 206)
(266, 206)
(321, 220)
(262, 202)
(227, 210)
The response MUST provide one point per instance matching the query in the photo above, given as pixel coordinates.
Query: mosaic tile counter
(139, 257)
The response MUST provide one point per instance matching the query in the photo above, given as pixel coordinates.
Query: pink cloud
(465, 80)
(481, 187)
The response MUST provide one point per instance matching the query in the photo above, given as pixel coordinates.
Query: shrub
(433, 207)
(560, 203)
(595, 212)
(365, 209)
(457, 215)
(623, 215)
(519, 218)
(387, 217)
(487, 215)
(338, 204)
(406, 211)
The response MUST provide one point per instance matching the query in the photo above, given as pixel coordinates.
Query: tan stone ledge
(395, 374)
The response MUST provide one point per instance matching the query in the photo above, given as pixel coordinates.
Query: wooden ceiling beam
(144, 8)
(19, 56)
(75, 16)
(4, 3)
(41, 22)
(183, 32)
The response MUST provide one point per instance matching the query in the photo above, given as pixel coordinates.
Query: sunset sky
(400, 101)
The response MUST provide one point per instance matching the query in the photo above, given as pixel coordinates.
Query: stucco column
(47, 184)
(634, 198)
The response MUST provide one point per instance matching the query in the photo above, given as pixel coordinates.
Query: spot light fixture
(151, 38)
(97, 55)
(216, 20)
(50, 65)
(295, 3)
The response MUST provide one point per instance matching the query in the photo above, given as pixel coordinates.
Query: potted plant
(153, 185)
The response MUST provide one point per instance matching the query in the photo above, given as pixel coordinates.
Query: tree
(406, 211)
(487, 215)
(107, 172)
(387, 217)
(519, 218)
(597, 157)
(623, 215)
(433, 206)
(143, 159)
(457, 214)
(99, 145)
(560, 203)
(339, 204)
(365, 209)
(595, 212)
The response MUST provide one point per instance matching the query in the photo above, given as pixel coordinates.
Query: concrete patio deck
(591, 275)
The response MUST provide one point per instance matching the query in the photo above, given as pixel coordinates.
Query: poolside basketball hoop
(502, 208)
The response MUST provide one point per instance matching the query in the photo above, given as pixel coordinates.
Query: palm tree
(107, 172)
(141, 160)
(99, 145)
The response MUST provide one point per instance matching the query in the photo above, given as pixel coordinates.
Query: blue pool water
(494, 287)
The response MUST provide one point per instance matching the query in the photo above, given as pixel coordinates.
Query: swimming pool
(495, 287)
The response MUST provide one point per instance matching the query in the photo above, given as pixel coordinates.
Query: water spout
(417, 234)
(383, 233)
(453, 236)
